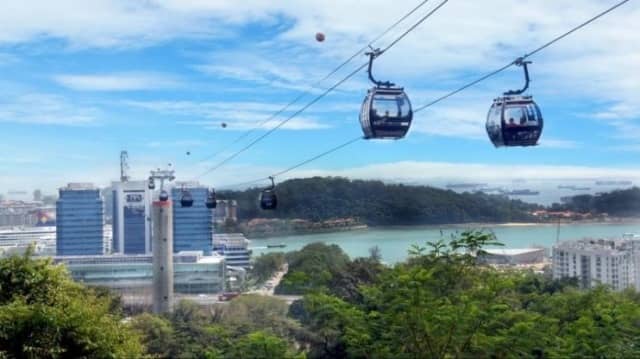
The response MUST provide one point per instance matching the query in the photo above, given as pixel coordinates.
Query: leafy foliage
(312, 268)
(44, 314)
(441, 304)
(265, 266)
(619, 203)
(250, 326)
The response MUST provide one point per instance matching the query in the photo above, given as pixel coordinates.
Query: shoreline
(471, 226)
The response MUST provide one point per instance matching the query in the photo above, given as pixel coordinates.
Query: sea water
(395, 242)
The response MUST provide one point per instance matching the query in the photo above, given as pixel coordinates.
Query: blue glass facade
(192, 226)
(134, 230)
(115, 221)
(80, 221)
(131, 225)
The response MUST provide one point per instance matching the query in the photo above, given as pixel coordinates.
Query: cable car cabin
(211, 202)
(386, 113)
(514, 121)
(186, 200)
(164, 196)
(268, 199)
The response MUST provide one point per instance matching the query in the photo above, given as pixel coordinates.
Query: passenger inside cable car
(515, 119)
(386, 110)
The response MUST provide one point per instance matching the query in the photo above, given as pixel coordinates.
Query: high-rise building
(131, 217)
(612, 262)
(80, 221)
(192, 226)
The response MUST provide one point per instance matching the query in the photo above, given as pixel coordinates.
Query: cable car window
(386, 106)
(514, 116)
(495, 113)
(532, 115)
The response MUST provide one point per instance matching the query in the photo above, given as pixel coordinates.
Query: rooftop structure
(512, 256)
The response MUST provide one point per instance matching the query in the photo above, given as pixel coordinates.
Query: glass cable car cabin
(515, 119)
(386, 111)
(186, 200)
(211, 202)
(268, 198)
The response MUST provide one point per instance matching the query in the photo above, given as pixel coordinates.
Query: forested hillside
(618, 203)
(377, 203)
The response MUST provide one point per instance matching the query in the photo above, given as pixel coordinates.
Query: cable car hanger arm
(521, 62)
(374, 53)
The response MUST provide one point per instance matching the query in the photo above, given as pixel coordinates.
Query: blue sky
(83, 80)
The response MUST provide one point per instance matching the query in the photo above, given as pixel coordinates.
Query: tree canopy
(44, 314)
(619, 203)
(377, 203)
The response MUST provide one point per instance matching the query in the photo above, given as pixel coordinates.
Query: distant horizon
(549, 191)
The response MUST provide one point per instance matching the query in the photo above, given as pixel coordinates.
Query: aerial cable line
(520, 59)
(486, 76)
(299, 164)
(317, 83)
(324, 93)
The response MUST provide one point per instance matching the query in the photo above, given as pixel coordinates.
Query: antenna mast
(124, 166)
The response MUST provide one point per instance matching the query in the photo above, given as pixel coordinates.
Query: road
(267, 289)
(270, 285)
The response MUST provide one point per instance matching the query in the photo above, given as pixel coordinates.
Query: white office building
(234, 247)
(131, 218)
(612, 262)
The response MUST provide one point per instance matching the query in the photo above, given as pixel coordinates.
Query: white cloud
(179, 143)
(46, 109)
(237, 115)
(558, 143)
(116, 82)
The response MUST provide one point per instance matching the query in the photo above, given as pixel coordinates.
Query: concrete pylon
(162, 256)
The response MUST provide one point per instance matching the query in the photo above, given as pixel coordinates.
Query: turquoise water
(394, 242)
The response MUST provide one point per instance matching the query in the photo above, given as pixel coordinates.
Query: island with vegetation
(329, 204)
(312, 205)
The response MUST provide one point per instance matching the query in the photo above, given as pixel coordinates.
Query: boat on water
(614, 183)
(281, 245)
(465, 185)
(523, 192)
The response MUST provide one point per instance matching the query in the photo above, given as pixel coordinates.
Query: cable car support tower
(162, 244)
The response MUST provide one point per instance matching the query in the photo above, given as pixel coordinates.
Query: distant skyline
(83, 80)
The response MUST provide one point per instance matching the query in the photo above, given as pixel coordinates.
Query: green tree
(261, 345)
(441, 304)
(44, 314)
(312, 268)
(157, 334)
(265, 266)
